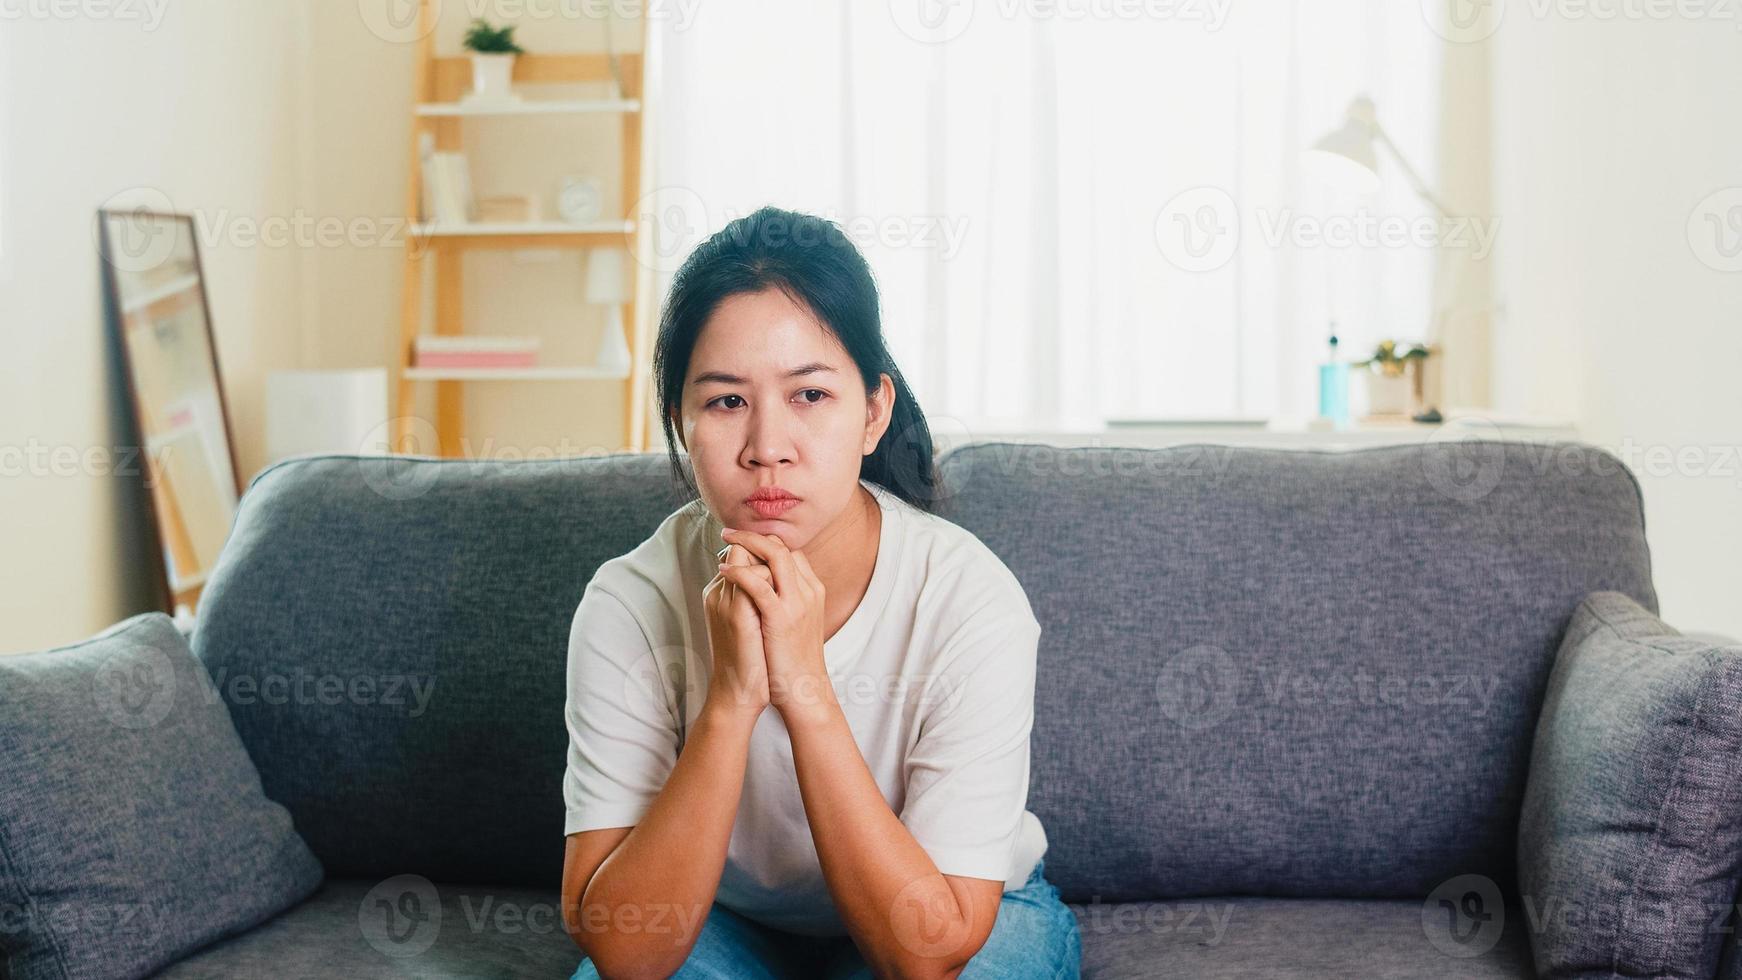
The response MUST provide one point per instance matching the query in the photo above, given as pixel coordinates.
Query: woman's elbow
(612, 956)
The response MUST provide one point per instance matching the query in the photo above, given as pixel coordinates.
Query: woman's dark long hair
(811, 260)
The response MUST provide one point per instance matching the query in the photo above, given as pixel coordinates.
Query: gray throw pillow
(1630, 840)
(132, 825)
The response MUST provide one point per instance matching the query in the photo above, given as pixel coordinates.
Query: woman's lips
(770, 509)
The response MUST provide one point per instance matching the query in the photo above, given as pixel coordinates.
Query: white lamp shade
(1345, 156)
(1340, 171)
(605, 276)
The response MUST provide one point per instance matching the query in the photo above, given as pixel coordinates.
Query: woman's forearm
(642, 911)
(900, 911)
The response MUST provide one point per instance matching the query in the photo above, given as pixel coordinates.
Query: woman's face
(771, 399)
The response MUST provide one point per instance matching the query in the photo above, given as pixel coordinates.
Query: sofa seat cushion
(345, 930)
(1225, 938)
(402, 927)
(371, 929)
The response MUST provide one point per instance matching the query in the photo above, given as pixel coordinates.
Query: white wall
(1608, 136)
(197, 101)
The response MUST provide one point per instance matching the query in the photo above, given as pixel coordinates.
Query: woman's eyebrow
(721, 377)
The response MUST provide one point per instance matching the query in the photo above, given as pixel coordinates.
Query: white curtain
(1022, 178)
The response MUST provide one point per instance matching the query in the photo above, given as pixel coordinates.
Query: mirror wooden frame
(184, 539)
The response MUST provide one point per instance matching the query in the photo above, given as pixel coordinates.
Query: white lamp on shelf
(1346, 155)
(605, 286)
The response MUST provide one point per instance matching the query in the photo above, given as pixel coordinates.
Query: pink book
(477, 359)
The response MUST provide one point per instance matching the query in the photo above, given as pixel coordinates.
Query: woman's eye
(722, 398)
(812, 401)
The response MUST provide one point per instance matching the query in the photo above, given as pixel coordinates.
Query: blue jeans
(1035, 936)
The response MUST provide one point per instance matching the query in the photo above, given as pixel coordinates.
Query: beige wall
(200, 107)
(243, 114)
(1608, 136)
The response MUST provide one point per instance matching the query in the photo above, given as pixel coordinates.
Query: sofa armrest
(1630, 836)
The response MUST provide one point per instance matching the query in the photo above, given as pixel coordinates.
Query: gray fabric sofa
(1285, 698)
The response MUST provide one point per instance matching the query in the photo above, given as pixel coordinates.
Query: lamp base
(614, 346)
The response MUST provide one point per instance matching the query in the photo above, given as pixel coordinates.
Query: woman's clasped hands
(766, 625)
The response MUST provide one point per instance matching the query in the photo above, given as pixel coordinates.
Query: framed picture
(162, 326)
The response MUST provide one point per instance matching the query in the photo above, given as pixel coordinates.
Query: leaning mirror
(163, 329)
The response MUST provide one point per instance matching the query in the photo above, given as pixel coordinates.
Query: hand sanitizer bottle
(1334, 387)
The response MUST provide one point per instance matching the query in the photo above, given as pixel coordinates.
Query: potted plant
(493, 50)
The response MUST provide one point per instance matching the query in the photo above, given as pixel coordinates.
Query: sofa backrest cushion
(391, 634)
(1261, 671)
(1631, 829)
(1285, 672)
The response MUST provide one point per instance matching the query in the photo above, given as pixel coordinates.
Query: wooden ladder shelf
(439, 111)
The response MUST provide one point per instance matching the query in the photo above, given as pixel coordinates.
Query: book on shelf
(447, 188)
(475, 352)
(506, 209)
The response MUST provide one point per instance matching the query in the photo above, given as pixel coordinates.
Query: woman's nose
(769, 441)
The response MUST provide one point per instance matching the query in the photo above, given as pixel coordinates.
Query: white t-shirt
(934, 671)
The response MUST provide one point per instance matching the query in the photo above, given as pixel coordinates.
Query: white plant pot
(493, 77)
(1388, 395)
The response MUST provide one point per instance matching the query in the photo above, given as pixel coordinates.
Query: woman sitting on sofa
(875, 821)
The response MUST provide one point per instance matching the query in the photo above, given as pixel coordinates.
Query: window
(1076, 210)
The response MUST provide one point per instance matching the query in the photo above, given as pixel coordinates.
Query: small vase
(492, 77)
(1387, 395)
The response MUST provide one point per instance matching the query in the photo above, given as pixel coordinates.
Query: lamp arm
(1415, 180)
